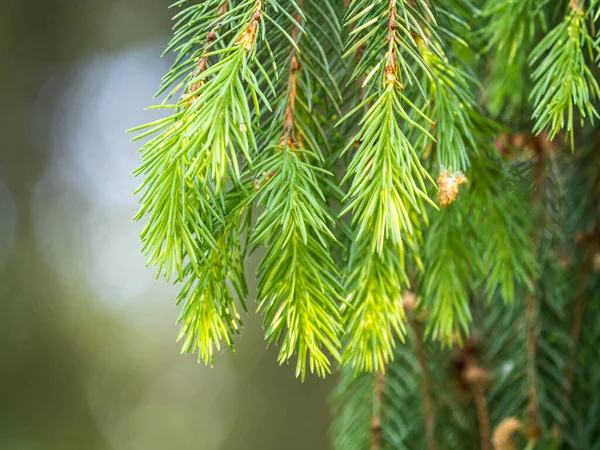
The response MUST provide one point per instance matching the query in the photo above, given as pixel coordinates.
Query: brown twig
(426, 397)
(248, 37)
(533, 425)
(541, 148)
(210, 38)
(376, 430)
(473, 377)
(288, 137)
(391, 67)
(482, 416)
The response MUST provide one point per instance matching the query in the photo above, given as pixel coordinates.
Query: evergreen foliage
(426, 187)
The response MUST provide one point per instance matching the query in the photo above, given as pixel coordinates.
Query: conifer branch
(299, 284)
(448, 274)
(373, 313)
(209, 314)
(563, 81)
(454, 112)
(506, 249)
(357, 417)
(387, 192)
(187, 161)
(253, 98)
(509, 37)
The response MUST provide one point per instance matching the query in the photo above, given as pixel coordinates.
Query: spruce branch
(373, 314)
(354, 411)
(388, 186)
(448, 276)
(381, 196)
(506, 250)
(387, 192)
(209, 314)
(376, 410)
(509, 36)
(562, 80)
(299, 287)
(194, 148)
(454, 112)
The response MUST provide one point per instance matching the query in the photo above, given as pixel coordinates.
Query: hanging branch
(187, 161)
(562, 80)
(299, 287)
(509, 36)
(387, 191)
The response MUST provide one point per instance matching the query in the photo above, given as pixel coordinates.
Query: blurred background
(88, 359)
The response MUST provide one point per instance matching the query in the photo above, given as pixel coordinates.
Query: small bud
(474, 375)
(504, 434)
(448, 184)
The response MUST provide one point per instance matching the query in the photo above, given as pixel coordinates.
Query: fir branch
(448, 275)
(299, 285)
(387, 191)
(506, 250)
(198, 144)
(373, 313)
(562, 79)
(509, 37)
(209, 314)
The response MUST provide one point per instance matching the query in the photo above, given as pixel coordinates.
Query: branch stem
(376, 430)
(210, 38)
(426, 397)
(289, 132)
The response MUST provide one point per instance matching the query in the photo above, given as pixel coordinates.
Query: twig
(482, 416)
(477, 379)
(540, 145)
(210, 38)
(426, 398)
(390, 69)
(376, 429)
(289, 132)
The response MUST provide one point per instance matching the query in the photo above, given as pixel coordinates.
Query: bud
(448, 185)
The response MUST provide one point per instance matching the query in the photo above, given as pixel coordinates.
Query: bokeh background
(88, 359)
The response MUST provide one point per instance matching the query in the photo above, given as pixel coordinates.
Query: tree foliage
(420, 180)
